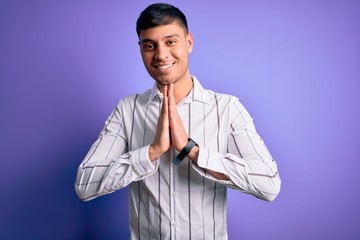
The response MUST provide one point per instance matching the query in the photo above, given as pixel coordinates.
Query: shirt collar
(198, 93)
(152, 93)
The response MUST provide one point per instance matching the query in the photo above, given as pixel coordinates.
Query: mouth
(165, 66)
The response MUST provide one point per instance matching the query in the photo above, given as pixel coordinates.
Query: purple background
(295, 65)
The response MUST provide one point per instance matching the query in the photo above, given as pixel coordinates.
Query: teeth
(163, 67)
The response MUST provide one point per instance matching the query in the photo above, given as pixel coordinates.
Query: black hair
(160, 14)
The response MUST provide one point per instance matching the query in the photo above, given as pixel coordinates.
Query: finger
(171, 94)
(171, 89)
(165, 106)
(173, 114)
(166, 91)
(172, 106)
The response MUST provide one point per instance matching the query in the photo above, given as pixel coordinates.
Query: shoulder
(134, 99)
(221, 98)
(222, 101)
(210, 96)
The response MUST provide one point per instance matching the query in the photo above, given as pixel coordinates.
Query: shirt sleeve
(247, 163)
(109, 166)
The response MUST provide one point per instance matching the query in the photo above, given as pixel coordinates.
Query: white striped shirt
(184, 201)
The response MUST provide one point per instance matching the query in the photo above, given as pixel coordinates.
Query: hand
(179, 137)
(170, 129)
(161, 142)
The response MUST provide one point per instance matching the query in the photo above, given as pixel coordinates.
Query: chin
(164, 81)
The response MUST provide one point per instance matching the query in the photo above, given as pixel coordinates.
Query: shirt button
(173, 194)
(173, 224)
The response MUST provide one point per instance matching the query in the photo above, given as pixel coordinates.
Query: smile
(164, 67)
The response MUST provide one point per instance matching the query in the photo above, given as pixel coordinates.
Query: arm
(109, 165)
(248, 165)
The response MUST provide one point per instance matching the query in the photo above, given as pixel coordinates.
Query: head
(160, 14)
(165, 43)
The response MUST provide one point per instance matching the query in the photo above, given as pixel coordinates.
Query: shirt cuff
(208, 159)
(141, 163)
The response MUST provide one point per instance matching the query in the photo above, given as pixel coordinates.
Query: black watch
(184, 152)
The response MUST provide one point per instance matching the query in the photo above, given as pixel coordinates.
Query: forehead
(161, 31)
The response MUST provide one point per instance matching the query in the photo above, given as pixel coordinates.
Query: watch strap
(184, 152)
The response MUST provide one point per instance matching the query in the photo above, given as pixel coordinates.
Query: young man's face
(165, 50)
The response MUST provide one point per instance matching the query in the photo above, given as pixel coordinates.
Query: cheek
(180, 53)
(146, 59)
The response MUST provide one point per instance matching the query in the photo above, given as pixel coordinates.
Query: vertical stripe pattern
(184, 201)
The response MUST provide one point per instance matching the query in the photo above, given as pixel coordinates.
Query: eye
(148, 46)
(171, 42)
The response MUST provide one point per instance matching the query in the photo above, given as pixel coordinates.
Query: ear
(189, 42)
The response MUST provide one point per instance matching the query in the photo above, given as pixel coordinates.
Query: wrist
(186, 150)
(154, 152)
(194, 154)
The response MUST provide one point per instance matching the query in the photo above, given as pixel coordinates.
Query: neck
(182, 89)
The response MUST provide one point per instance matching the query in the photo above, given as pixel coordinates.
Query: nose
(162, 52)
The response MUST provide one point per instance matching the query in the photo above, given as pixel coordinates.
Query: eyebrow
(166, 37)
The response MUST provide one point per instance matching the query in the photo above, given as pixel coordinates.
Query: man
(177, 145)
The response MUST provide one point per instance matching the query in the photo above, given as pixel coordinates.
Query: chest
(208, 125)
